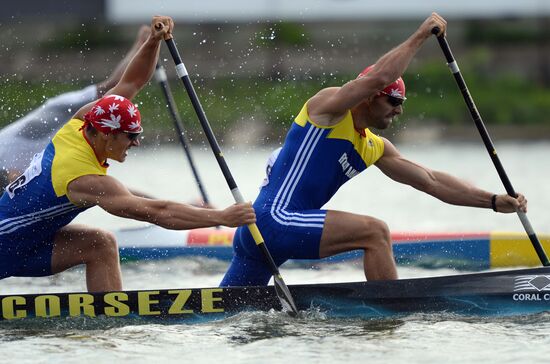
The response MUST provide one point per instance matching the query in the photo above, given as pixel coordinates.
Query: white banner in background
(131, 11)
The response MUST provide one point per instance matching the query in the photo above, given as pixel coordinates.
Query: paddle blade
(284, 296)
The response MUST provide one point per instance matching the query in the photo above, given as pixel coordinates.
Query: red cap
(394, 89)
(112, 114)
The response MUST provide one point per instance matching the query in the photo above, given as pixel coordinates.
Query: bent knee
(103, 245)
(379, 233)
(76, 245)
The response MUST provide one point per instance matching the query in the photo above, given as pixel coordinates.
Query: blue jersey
(36, 204)
(314, 162)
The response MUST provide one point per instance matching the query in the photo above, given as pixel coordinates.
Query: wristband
(494, 203)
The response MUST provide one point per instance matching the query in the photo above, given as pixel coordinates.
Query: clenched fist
(161, 27)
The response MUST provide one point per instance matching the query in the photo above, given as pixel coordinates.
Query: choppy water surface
(312, 338)
(274, 337)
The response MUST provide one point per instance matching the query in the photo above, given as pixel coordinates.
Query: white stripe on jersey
(284, 195)
(14, 223)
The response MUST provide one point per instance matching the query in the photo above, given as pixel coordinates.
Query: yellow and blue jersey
(36, 204)
(314, 162)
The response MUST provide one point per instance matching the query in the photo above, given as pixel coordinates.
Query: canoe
(468, 251)
(496, 293)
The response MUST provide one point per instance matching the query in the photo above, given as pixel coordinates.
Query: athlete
(25, 137)
(70, 175)
(329, 143)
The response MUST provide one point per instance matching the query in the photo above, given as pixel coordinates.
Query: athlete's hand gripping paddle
(453, 66)
(280, 287)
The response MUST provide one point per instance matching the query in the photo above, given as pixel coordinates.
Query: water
(274, 337)
(164, 173)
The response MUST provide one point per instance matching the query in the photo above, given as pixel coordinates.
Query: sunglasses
(132, 136)
(395, 101)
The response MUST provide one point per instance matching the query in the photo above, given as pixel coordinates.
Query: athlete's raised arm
(330, 103)
(141, 67)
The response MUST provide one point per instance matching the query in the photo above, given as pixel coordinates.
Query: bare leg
(115, 76)
(78, 244)
(344, 232)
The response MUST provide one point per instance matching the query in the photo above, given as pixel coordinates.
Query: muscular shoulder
(389, 155)
(89, 189)
(83, 110)
(317, 107)
(389, 148)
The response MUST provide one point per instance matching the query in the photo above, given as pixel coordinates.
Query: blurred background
(255, 62)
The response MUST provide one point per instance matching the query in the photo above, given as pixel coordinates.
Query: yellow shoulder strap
(74, 157)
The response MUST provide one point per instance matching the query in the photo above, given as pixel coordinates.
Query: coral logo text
(532, 288)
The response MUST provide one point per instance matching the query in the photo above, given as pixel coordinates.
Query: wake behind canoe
(504, 293)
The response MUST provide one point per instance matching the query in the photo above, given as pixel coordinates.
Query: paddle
(451, 62)
(281, 289)
(160, 75)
